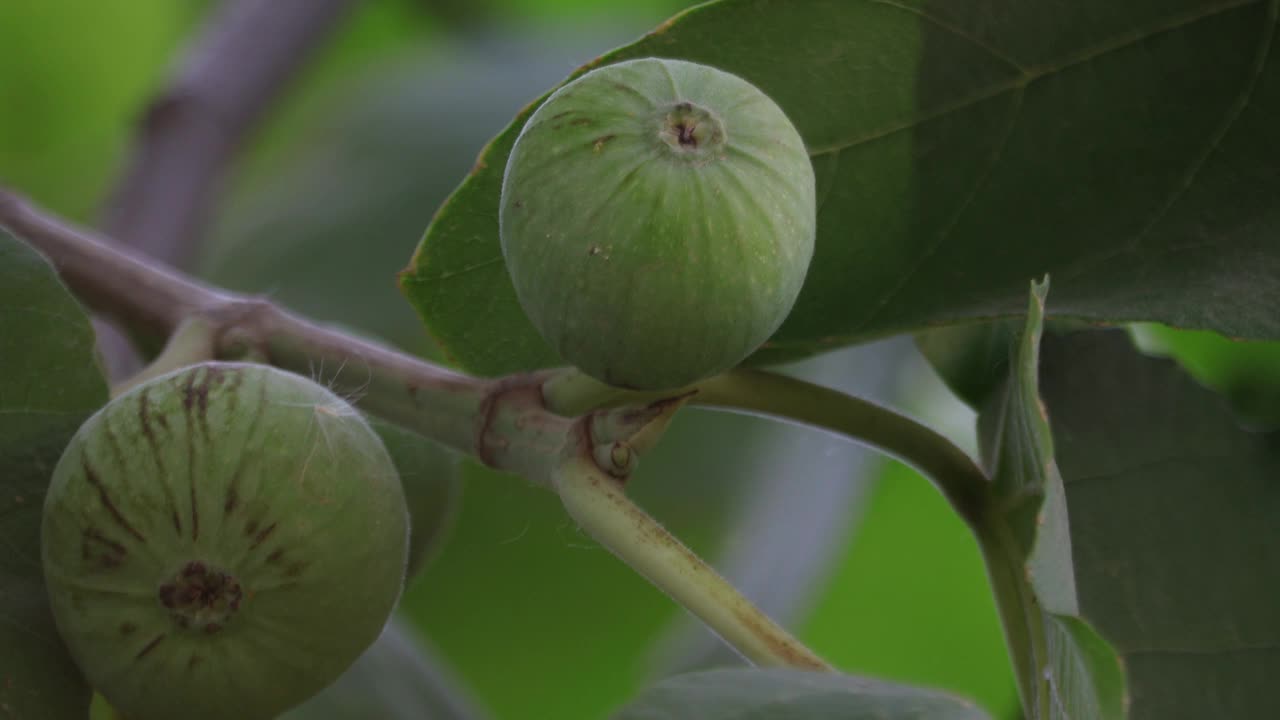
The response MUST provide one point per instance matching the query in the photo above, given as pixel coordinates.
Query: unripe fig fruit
(222, 542)
(657, 221)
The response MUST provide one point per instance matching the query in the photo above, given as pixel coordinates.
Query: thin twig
(152, 301)
(245, 55)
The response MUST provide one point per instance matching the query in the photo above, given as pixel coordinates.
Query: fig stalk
(597, 502)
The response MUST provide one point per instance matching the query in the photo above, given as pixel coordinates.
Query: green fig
(657, 220)
(222, 542)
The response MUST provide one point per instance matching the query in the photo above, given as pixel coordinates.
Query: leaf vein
(979, 183)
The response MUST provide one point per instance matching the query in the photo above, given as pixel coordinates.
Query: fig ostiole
(657, 221)
(222, 542)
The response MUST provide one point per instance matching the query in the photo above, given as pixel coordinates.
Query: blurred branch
(246, 53)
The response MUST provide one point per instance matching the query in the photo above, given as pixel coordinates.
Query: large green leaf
(1144, 525)
(49, 383)
(751, 694)
(1127, 148)
(1172, 512)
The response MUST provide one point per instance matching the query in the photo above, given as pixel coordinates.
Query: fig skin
(222, 542)
(657, 221)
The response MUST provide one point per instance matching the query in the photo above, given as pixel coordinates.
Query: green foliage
(72, 87)
(1136, 508)
(1167, 515)
(961, 149)
(49, 383)
(784, 693)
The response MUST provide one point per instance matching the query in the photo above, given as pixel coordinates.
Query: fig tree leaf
(50, 381)
(961, 148)
(1146, 519)
(754, 694)
(397, 678)
(1172, 512)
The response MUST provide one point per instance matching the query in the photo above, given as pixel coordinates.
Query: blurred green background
(327, 202)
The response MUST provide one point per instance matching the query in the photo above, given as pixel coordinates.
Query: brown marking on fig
(601, 141)
(296, 568)
(105, 498)
(115, 551)
(518, 204)
(193, 661)
(234, 379)
(232, 499)
(128, 628)
(113, 442)
(145, 418)
(189, 392)
(251, 527)
(557, 116)
(275, 556)
(262, 536)
(195, 397)
(188, 400)
(582, 121)
(212, 628)
(144, 415)
(149, 647)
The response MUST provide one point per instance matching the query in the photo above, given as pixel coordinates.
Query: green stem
(959, 478)
(193, 342)
(600, 506)
(963, 483)
(1020, 613)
